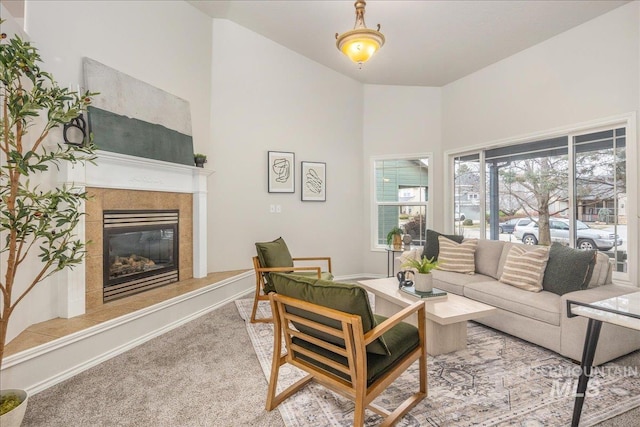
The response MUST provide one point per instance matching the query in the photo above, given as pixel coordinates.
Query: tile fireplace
(118, 182)
(140, 251)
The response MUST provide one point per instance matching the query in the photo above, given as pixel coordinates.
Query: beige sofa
(539, 317)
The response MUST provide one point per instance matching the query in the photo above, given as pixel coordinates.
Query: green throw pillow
(274, 254)
(340, 296)
(568, 269)
(432, 247)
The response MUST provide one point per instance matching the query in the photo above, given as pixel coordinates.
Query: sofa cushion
(543, 306)
(344, 297)
(525, 269)
(505, 252)
(457, 257)
(487, 257)
(455, 282)
(602, 271)
(568, 269)
(432, 246)
(413, 254)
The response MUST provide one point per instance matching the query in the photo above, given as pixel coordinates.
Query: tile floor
(43, 332)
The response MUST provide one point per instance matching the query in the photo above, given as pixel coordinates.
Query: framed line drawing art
(314, 182)
(281, 172)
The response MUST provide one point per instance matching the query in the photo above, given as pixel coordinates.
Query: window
(574, 186)
(400, 195)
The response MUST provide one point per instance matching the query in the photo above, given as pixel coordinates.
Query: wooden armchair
(275, 257)
(343, 350)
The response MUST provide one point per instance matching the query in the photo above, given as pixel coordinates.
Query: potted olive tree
(37, 221)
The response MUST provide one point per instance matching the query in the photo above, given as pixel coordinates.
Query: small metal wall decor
(75, 132)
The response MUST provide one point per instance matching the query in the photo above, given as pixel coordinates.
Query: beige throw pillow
(407, 255)
(525, 269)
(457, 257)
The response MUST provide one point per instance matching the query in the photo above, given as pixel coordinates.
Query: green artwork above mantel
(120, 134)
(135, 118)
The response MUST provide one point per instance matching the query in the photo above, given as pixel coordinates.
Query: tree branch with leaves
(35, 222)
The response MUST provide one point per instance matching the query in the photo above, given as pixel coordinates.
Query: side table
(622, 311)
(391, 255)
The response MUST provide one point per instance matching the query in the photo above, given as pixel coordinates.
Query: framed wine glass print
(281, 172)
(314, 182)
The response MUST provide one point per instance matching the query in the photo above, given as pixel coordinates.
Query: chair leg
(256, 300)
(253, 319)
(358, 411)
(278, 360)
(254, 310)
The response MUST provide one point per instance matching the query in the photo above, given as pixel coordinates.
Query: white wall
(399, 120)
(149, 40)
(164, 43)
(585, 74)
(268, 98)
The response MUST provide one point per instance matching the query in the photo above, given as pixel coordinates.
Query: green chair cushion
(344, 297)
(568, 269)
(274, 254)
(432, 246)
(324, 275)
(401, 340)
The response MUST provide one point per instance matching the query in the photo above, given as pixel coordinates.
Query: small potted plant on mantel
(394, 237)
(200, 159)
(36, 221)
(423, 280)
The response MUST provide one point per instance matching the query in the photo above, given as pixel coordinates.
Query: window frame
(628, 121)
(373, 231)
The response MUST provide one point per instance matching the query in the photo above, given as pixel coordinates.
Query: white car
(587, 238)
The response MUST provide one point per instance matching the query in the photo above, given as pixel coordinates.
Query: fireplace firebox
(140, 251)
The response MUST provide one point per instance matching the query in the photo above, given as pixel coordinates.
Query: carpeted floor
(498, 380)
(205, 373)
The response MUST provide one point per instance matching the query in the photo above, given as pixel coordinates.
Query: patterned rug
(498, 380)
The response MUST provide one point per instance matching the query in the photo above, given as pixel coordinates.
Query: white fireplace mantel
(120, 171)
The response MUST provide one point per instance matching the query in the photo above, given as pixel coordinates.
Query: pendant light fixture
(360, 43)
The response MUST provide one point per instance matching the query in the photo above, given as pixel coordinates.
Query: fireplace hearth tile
(119, 199)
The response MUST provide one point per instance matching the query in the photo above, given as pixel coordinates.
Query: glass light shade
(360, 44)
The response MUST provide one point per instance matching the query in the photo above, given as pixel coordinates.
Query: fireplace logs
(122, 266)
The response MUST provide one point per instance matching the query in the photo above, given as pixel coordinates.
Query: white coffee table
(446, 318)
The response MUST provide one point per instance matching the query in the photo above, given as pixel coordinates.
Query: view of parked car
(587, 238)
(510, 225)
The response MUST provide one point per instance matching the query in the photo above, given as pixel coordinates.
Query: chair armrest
(287, 269)
(321, 258)
(416, 307)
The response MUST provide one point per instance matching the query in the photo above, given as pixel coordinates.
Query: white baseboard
(41, 367)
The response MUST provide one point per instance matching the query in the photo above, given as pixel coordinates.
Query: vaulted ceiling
(428, 43)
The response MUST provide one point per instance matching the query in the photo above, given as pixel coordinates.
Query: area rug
(499, 380)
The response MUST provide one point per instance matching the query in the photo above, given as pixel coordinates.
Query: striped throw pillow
(457, 257)
(524, 268)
